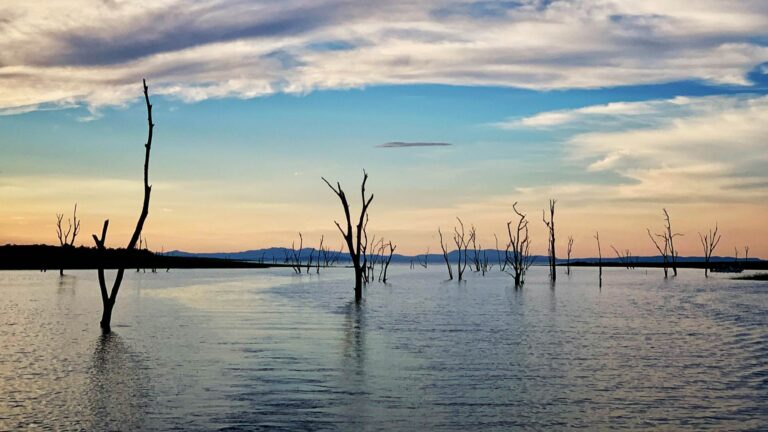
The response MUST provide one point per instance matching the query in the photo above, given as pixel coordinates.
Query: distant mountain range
(279, 254)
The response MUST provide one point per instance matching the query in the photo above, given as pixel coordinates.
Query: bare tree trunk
(599, 261)
(551, 247)
(445, 254)
(354, 240)
(570, 249)
(108, 300)
(670, 239)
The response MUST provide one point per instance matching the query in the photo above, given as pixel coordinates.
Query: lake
(265, 349)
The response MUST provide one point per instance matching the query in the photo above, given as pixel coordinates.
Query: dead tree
(445, 254)
(354, 240)
(295, 255)
(520, 259)
(388, 260)
(625, 258)
(462, 245)
(671, 239)
(709, 243)
(568, 261)
(73, 229)
(664, 252)
(424, 264)
(108, 299)
(551, 245)
(502, 262)
(599, 261)
(476, 261)
(321, 254)
(746, 253)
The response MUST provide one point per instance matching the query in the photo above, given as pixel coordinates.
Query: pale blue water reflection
(264, 349)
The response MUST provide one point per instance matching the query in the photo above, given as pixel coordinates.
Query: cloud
(704, 149)
(400, 144)
(194, 50)
(617, 114)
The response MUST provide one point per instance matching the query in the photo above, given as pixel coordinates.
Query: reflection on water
(118, 392)
(255, 349)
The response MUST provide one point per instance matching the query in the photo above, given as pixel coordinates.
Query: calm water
(263, 349)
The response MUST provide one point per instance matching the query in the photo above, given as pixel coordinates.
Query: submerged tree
(569, 250)
(354, 239)
(462, 246)
(664, 252)
(551, 253)
(599, 260)
(709, 243)
(67, 238)
(671, 239)
(445, 254)
(108, 299)
(387, 260)
(520, 258)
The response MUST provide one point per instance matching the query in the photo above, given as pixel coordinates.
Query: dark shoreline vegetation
(47, 257)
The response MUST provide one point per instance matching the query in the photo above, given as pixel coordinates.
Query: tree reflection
(353, 361)
(119, 394)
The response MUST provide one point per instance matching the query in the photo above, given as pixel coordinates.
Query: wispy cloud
(202, 49)
(400, 144)
(705, 149)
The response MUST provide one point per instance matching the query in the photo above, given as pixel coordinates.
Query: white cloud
(97, 52)
(706, 149)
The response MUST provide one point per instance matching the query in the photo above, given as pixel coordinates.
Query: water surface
(264, 349)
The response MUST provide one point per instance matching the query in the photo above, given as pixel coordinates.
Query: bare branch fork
(354, 240)
(108, 299)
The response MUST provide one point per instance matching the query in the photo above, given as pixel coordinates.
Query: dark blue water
(263, 349)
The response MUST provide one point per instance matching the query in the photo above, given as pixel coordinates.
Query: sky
(615, 108)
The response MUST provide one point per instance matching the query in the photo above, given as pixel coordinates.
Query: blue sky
(616, 108)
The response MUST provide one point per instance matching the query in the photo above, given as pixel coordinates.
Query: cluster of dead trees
(322, 257)
(517, 258)
(364, 254)
(371, 259)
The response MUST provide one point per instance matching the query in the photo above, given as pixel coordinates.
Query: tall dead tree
(671, 239)
(520, 258)
(551, 245)
(599, 261)
(354, 239)
(445, 254)
(746, 253)
(569, 250)
(709, 242)
(67, 238)
(108, 299)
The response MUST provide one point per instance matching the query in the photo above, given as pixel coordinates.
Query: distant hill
(279, 254)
